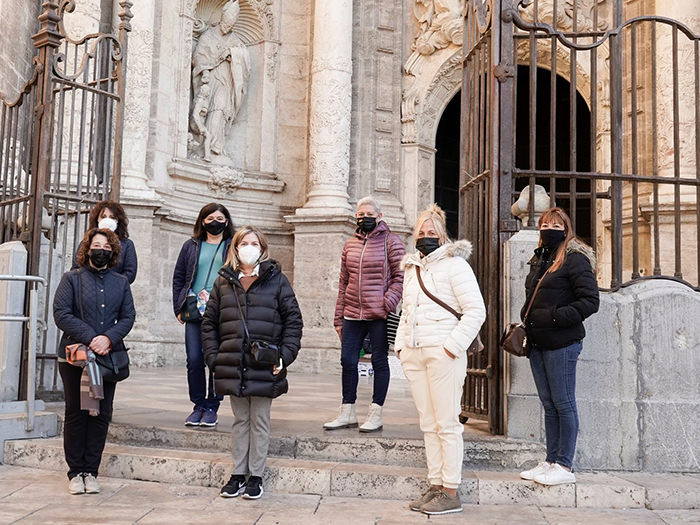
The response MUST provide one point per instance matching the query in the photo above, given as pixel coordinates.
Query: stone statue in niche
(220, 73)
(441, 24)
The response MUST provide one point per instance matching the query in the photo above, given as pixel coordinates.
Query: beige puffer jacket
(447, 275)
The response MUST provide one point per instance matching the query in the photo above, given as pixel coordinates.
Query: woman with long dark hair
(564, 292)
(111, 216)
(93, 306)
(196, 269)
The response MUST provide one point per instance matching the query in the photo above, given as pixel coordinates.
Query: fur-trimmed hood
(461, 248)
(577, 247)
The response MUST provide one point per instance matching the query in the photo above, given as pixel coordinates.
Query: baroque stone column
(331, 100)
(323, 224)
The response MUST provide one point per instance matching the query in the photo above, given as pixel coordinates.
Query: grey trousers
(250, 434)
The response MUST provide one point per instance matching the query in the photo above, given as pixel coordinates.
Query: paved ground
(37, 496)
(158, 396)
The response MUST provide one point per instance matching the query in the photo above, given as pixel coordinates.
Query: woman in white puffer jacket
(432, 344)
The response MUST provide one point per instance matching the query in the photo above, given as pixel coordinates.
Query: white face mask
(249, 254)
(107, 224)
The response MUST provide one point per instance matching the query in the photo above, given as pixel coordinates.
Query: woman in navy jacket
(111, 215)
(196, 269)
(93, 306)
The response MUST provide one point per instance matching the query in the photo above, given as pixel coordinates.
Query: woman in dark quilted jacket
(197, 266)
(93, 306)
(370, 286)
(251, 300)
(562, 267)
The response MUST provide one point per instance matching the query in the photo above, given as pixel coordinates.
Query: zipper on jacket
(359, 281)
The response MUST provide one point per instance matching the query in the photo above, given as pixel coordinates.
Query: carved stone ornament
(225, 179)
(585, 14)
(441, 24)
(222, 30)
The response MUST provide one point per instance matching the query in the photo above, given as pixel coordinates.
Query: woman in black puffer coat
(252, 284)
(567, 294)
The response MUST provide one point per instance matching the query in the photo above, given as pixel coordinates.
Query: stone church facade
(314, 105)
(334, 101)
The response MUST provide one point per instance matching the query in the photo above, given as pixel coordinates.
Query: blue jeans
(554, 372)
(354, 333)
(196, 369)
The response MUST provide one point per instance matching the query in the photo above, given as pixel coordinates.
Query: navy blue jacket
(186, 270)
(107, 306)
(272, 314)
(127, 264)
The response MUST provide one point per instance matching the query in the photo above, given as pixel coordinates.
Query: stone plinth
(318, 244)
(13, 261)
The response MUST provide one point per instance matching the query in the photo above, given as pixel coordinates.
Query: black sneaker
(234, 487)
(253, 489)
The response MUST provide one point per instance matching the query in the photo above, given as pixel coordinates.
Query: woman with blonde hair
(443, 311)
(252, 306)
(563, 292)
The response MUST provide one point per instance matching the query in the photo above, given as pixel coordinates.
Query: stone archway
(430, 83)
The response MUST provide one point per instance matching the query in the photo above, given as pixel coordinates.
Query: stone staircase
(375, 467)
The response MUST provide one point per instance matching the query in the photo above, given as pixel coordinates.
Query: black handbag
(263, 355)
(190, 310)
(115, 365)
(514, 339)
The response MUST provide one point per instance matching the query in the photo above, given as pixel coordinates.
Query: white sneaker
(76, 485)
(346, 418)
(374, 419)
(91, 485)
(541, 468)
(556, 475)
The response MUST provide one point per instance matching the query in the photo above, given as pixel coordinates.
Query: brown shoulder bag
(514, 340)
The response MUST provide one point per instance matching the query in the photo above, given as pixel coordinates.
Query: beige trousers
(436, 382)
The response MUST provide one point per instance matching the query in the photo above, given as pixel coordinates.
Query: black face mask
(215, 227)
(552, 238)
(427, 245)
(367, 224)
(100, 258)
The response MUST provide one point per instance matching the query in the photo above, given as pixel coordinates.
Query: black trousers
(84, 436)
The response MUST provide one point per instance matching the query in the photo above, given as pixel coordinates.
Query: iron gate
(598, 103)
(61, 153)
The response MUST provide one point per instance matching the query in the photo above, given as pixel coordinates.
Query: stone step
(485, 454)
(13, 426)
(295, 476)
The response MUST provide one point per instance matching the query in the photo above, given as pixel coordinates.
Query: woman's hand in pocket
(449, 354)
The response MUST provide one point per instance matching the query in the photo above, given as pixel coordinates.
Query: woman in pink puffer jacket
(371, 282)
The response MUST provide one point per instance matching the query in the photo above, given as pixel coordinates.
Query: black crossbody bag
(263, 355)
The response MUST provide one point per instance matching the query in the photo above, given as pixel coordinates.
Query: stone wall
(19, 23)
(637, 388)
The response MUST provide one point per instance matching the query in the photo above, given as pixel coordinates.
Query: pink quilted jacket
(371, 278)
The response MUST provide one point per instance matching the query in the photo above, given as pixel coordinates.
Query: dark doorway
(559, 159)
(447, 164)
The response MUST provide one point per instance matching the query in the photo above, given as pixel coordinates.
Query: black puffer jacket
(273, 315)
(107, 307)
(565, 298)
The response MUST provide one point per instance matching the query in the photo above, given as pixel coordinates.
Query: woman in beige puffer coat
(432, 344)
